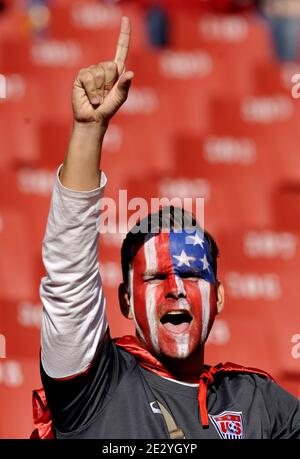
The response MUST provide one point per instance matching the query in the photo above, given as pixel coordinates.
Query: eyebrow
(152, 272)
(192, 271)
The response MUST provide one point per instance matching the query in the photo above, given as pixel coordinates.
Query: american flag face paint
(173, 300)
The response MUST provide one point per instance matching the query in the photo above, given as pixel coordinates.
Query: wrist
(92, 128)
(80, 170)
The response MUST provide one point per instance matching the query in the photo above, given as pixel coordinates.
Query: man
(154, 385)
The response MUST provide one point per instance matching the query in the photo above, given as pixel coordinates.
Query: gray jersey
(116, 398)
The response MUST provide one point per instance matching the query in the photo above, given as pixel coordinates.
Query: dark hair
(170, 218)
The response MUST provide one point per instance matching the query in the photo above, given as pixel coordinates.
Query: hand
(101, 89)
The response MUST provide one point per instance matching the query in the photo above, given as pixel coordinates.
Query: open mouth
(176, 321)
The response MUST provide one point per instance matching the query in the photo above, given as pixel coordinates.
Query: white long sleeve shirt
(73, 318)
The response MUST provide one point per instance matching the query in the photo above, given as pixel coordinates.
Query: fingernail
(95, 100)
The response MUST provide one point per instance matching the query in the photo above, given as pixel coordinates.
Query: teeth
(175, 312)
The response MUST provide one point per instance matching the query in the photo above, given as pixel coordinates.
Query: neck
(187, 370)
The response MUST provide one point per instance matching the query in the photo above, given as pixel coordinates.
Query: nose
(174, 287)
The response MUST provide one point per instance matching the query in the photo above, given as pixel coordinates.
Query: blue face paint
(190, 252)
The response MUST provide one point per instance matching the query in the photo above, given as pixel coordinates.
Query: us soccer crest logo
(229, 424)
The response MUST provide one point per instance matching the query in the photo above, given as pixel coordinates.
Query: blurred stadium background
(210, 113)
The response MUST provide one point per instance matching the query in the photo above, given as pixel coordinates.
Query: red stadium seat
(247, 341)
(53, 138)
(236, 42)
(96, 22)
(228, 33)
(275, 77)
(17, 276)
(28, 199)
(285, 323)
(260, 271)
(286, 205)
(260, 113)
(272, 121)
(12, 22)
(20, 324)
(18, 377)
(235, 167)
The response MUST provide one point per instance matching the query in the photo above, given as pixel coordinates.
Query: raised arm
(98, 93)
(73, 319)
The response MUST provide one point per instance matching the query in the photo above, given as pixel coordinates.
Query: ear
(220, 297)
(124, 301)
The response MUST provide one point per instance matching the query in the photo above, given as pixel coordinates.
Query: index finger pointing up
(123, 44)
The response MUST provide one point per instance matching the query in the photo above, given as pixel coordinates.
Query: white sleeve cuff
(76, 193)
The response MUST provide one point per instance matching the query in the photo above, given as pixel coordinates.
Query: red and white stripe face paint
(172, 294)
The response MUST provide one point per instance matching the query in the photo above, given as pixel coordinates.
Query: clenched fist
(101, 89)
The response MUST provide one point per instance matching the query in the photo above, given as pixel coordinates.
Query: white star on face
(205, 263)
(183, 259)
(196, 240)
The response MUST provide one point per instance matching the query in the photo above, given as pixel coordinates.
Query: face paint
(139, 331)
(173, 297)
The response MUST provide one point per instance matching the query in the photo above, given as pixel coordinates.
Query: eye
(191, 276)
(154, 278)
